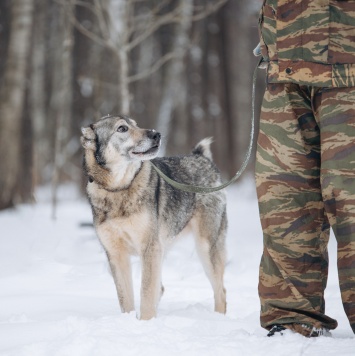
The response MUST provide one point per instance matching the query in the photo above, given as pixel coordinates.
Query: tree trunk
(173, 86)
(238, 22)
(124, 89)
(12, 99)
(119, 13)
(37, 94)
(61, 99)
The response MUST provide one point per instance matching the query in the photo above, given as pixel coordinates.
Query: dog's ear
(88, 138)
(88, 132)
(88, 144)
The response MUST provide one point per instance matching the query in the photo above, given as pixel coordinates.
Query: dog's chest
(128, 233)
(111, 205)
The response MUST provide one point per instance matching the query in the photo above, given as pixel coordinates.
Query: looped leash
(206, 190)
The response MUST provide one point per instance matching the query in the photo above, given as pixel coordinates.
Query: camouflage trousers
(305, 175)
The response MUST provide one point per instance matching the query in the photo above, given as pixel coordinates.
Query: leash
(206, 190)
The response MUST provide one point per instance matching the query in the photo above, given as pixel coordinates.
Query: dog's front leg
(121, 271)
(151, 288)
(120, 264)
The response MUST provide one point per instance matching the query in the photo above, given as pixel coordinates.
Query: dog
(136, 212)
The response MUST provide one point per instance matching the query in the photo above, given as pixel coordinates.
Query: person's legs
(337, 124)
(294, 265)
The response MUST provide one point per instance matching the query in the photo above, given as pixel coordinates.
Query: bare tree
(115, 33)
(37, 92)
(121, 30)
(12, 94)
(61, 95)
(153, 58)
(239, 18)
(173, 86)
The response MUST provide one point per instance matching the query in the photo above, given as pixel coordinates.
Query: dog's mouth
(148, 152)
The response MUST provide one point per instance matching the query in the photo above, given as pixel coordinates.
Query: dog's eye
(122, 128)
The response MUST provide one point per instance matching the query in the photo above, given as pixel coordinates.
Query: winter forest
(182, 67)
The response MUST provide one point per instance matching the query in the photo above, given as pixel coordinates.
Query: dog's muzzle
(155, 136)
(153, 146)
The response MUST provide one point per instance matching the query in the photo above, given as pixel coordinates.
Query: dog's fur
(137, 212)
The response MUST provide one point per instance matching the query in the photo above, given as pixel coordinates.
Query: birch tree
(173, 84)
(37, 92)
(62, 97)
(240, 72)
(121, 30)
(118, 14)
(12, 93)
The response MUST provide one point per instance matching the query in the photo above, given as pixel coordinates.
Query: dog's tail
(203, 148)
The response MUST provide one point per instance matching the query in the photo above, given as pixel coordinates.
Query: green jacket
(309, 42)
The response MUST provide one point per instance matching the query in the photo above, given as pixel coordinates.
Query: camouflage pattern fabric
(305, 175)
(309, 42)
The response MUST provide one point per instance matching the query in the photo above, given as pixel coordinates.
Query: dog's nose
(154, 135)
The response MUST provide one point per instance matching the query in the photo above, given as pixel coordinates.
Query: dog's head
(116, 139)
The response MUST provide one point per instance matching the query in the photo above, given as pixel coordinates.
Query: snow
(58, 297)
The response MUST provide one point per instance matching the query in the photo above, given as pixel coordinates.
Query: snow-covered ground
(57, 296)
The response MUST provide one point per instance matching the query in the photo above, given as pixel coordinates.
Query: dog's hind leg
(210, 244)
(151, 288)
(121, 271)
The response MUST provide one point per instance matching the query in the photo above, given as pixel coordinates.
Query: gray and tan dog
(137, 213)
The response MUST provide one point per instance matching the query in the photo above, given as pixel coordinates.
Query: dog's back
(195, 169)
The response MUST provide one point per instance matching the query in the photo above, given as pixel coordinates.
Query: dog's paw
(88, 138)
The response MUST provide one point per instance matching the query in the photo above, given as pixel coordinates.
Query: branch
(107, 85)
(156, 23)
(146, 29)
(105, 42)
(78, 3)
(144, 74)
(172, 17)
(209, 9)
(91, 35)
(139, 22)
(156, 66)
(98, 11)
(105, 31)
